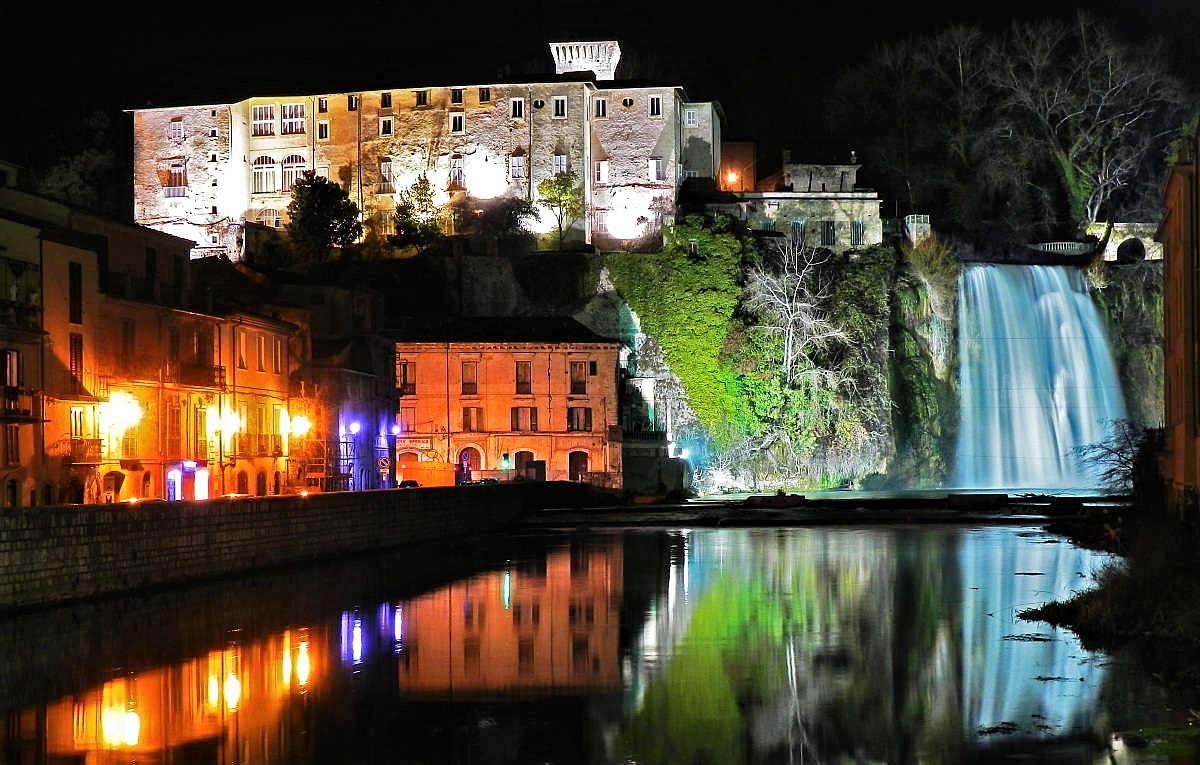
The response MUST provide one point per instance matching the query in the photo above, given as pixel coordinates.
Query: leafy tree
(86, 171)
(562, 195)
(417, 217)
(503, 218)
(321, 216)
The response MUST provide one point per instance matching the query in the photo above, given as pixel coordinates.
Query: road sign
(384, 463)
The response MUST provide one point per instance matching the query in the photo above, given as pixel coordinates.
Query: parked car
(409, 483)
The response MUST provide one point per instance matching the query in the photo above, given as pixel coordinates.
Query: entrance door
(577, 465)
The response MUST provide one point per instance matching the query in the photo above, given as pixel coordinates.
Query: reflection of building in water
(230, 705)
(549, 624)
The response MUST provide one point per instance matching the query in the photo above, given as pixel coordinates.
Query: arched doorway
(243, 482)
(260, 484)
(112, 485)
(520, 459)
(577, 465)
(278, 484)
(147, 486)
(469, 461)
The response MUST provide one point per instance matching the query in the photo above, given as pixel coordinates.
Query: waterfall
(1037, 378)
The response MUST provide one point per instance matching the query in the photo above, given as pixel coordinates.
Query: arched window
(293, 168)
(469, 458)
(243, 482)
(264, 175)
(260, 484)
(520, 459)
(268, 217)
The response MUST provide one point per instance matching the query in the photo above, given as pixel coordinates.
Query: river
(880, 644)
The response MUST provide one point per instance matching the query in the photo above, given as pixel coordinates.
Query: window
(560, 163)
(456, 170)
(385, 126)
(408, 419)
(75, 292)
(538, 103)
(262, 120)
(76, 361)
(241, 349)
(128, 343)
(323, 171)
(828, 233)
(470, 378)
(264, 175)
(176, 179)
(77, 422)
(655, 106)
(601, 175)
(322, 105)
(457, 122)
(600, 107)
(472, 419)
(579, 378)
(560, 106)
(212, 132)
(857, 233)
(516, 166)
(406, 377)
(655, 171)
(277, 355)
(691, 118)
(485, 95)
(268, 217)
(352, 102)
(592, 367)
(387, 183)
(523, 419)
(12, 448)
(456, 95)
(385, 100)
(11, 369)
(516, 108)
(797, 231)
(293, 170)
(262, 352)
(524, 377)
(129, 442)
(175, 128)
(292, 119)
(627, 102)
(322, 130)
(422, 97)
(602, 221)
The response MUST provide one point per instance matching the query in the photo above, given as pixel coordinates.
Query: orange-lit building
(739, 168)
(548, 625)
(541, 392)
(1179, 234)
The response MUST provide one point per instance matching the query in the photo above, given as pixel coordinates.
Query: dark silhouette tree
(562, 195)
(321, 216)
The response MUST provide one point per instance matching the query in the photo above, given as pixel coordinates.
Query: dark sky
(767, 66)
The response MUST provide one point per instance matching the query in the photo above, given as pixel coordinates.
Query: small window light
(627, 102)
(538, 104)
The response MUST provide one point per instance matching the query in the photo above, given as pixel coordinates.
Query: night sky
(767, 66)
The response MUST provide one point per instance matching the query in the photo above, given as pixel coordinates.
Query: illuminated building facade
(1179, 234)
(818, 205)
(201, 172)
(539, 393)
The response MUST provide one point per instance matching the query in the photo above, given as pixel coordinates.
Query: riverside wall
(62, 554)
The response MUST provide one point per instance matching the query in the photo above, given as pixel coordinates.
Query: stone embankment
(64, 554)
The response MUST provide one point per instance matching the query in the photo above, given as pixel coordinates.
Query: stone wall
(70, 553)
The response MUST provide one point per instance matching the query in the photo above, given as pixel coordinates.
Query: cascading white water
(1036, 376)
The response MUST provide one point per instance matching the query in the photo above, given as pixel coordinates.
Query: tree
(1127, 459)
(321, 216)
(562, 195)
(85, 170)
(790, 296)
(417, 216)
(502, 218)
(1097, 107)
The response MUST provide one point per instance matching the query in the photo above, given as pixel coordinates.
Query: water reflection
(896, 645)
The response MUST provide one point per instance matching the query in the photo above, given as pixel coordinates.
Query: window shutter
(533, 418)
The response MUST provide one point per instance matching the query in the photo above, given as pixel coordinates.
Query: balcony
(407, 389)
(17, 406)
(202, 375)
(85, 451)
(16, 314)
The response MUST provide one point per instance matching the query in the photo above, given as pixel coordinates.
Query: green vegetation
(562, 195)
(686, 297)
(320, 216)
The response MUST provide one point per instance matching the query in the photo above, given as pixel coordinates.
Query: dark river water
(880, 644)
